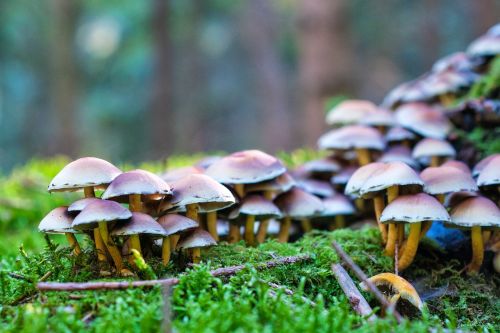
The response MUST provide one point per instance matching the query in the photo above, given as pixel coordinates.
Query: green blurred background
(132, 80)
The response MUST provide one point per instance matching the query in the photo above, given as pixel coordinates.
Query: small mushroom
(423, 120)
(318, 188)
(322, 169)
(434, 150)
(482, 164)
(195, 241)
(58, 221)
(174, 225)
(79, 205)
(176, 174)
(381, 118)
(397, 135)
(458, 165)
(399, 154)
(349, 112)
(337, 207)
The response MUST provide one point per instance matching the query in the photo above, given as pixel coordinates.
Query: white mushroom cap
(490, 175)
(79, 205)
(433, 147)
(280, 184)
(360, 176)
(175, 224)
(178, 173)
(379, 117)
(390, 174)
(140, 223)
(349, 112)
(317, 187)
(343, 176)
(297, 203)
(399, 154)
(351, 137)
(424, 120)
(198, 238)
(458, 165)
(58, 221)
(414, 208)
(100, 211)
(136, 182)
(84, 172)
(476, 211)
(399, 134)
(486, 45)
(482, 164)
(324, 165)
(337, 204)
(442, 180)
(257, 206)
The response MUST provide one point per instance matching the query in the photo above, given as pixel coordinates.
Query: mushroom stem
(284, 232)
(401, 233)
(192, 212)
(249, 226)
(234, 233)
(477, 250)
(73, 243)
(135, 203)
(486, 236)
(99, 245)
(435, 161)
(174, 239)
(113, 250)
(410, 248)
(339, 221)
(446, 99)
(440, 198)
(89, 192)
(378, 204)
(426, 225)
(212, 224)
(196, 255)
(306, 225)
(165, 251)
(392, 193)
(264, 224)
(240, 190)
(363, 155)
(135, 243)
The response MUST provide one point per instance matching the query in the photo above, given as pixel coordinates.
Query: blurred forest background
(130, 80)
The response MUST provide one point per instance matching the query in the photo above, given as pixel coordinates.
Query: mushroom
(174, 225)
(482, 164)
(413, 209)
(58, 221)
(434, 150)
(399, 154)
(322, 169)
(79, 205)
(98, 215)
(195, 241)
(476, 213)
(318, 188)
(336, 206)
(349, 112)
(296, 204)
(423, 120)
(401, 135)
(487, 45)
(458, 165)
(382, 119)
(176, 174)
(341, 179)
(458, 61)
(396, 289)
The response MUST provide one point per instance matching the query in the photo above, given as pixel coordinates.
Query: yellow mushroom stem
(446, 99)
(284, 232)
(113, 250)
(240, 190)
(234, 233)
(89, 192)
(165, 251)
(192, 212)
(440, 198)
(477, 250)
(363, 155)
(196, 255)
(392, 235)
(411, 246)
(264, 224)
(73, 243)
(306, 225)
(360, 204)
(339, 221)
(378, 206)
(394, 299)
(174, 239)
(135, 203)
(99, 245)
(435, 161)
(426, 225)
(486, 236)
(212, 224)
(249, 227)
(135, 243)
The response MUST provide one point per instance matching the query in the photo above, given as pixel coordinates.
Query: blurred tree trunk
(262, 44)
(325, 60)
(161, 115)
(64, 85)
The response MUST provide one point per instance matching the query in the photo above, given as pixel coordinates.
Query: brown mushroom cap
(198, 238)
(476, 211)
(337, 204)
(84, 172)
(175, 224)
(282, 183)
(317, 187)
(100, 211)
(360, 176)
(58, 221)
(414, 208)
(443, 179)
(246, 167)
(399, 134)
(136, 182)
(138, 224)
(257, 206)
(199, 189)
(424, 120)
(458, 165)
(349, 112)
(482, 164)
(351, 137)
(490, 175)
(297, 203)
(79, 205)
(399, 154)
(178, 173)
(433, 147)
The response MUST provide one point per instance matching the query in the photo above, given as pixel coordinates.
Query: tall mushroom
(58, 221)
(174, 225)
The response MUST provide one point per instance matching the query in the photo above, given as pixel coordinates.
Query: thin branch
(357, 301)
(115, 285)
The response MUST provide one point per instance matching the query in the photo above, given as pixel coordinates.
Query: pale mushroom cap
(349, 112)
(178, 173)
(476, 211)
(457, 61)
(360, 176)
(257, 206)
(453, 199)
(399, 134)
(297, 203)
(390, 174)
(433, 147)
(424, 120)
(443, 179)
(324, 165)
(58, 221)
(175, 223)
(458, 165)
(490, 175)
(482, 164)
(136, 182)
(100, 211)
(79, 205)
(282, 183)
(448, 81)
(198, 238)
(246, 167)
(140, 223)
(486, 45)
(337, 204)
(316, 187)
(414, 208)
(84, 172)
(379, 117)
(399, 154)
(205, 162)
(350, 137)
(343, 176)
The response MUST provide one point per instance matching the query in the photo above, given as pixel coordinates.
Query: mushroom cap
(458, 165)
(476, 211)
(453, 199)
(424, 120)
(397, 94)
(349, 112)
(490, 174)
(323, 165)
(399, 134)
(486, 45)
(350, 137)
(482, 164)
(360, 176)
(198, 238)
(433, 147)
(203, 190)
(297, 203)
(317, 187)
(138, 224)
(100, 211)
(443, 179)
(448, 81)
(337, 204)
(84, 172)
(58, 221)
(205, 162)
(178, 173)
(414, 208)
(257, 206)
(390, 174)
(399, 154)
(136, 182)
(343, 176)
(397, 285)
(246, 167)
(379, 117)
(458, 61)
(175, 223)
(282, 183)
(79, 205)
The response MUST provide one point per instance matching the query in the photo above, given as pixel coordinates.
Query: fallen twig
(357, 301)
(115, 285)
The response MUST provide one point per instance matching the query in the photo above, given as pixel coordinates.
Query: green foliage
(488, 83)
(486, 142)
